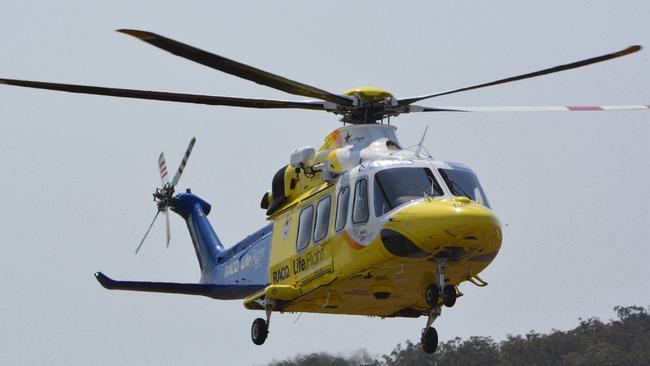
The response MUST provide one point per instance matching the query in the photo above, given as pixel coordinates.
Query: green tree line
(624, 341)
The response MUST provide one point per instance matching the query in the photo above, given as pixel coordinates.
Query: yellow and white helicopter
(360, 226)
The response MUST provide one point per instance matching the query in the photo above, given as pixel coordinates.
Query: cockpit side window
(304, 227)
(464, 183)
(322, 218)
(396, 186)
(360, 211)
(342, 208)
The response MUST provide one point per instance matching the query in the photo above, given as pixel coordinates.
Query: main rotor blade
(581, 108)
(236, 68)
(147, 233)
(184, 162)
(551, 70)
(165, 96)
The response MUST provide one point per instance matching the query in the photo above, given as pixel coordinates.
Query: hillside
(624, 341)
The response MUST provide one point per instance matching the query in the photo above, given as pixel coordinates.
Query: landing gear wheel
(259, 331)
(429, 339)
(432, 295)
(449, 296)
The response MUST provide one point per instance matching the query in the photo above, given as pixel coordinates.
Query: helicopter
(360, 226)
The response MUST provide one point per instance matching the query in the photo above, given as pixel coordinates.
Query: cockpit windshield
(464, 183)
(396, 186)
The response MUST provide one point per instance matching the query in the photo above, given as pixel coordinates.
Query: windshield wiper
(454, 184)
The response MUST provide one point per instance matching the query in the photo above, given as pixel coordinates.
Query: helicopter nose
(454, 228)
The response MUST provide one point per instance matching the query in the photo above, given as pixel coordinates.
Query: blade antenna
(147, 233)
(419, 149)
(184, 162)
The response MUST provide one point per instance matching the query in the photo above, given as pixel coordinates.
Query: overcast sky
(78, 171)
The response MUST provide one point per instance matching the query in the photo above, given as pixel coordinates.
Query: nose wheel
(447, 293)
(449, 296)
(436, 295)
(432, 295)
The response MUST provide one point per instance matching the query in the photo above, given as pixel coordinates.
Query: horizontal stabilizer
(220, 292)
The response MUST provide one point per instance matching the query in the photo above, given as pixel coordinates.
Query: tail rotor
(164, 196)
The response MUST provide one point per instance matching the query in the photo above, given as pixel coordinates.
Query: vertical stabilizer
(206, 242)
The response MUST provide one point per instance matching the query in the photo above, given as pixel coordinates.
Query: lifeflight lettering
(299, 265)
(307, 261)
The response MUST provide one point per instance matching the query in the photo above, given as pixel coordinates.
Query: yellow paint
(437, 223)
(332, 140)
(338, 278)
(282, 292)
(369, 93)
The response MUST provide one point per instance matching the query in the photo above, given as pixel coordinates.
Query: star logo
(347, 138)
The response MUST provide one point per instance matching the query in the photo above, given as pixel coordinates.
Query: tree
(625, 341)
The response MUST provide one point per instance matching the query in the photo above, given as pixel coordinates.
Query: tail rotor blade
(184, 162)
(162, 166)
(167, 226)
(147, 233)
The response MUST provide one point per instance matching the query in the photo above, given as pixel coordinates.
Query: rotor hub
(164, 196)
(369, 93)
(371, 104)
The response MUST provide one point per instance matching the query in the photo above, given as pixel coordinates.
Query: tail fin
(206, 242)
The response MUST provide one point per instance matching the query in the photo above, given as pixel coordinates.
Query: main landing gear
(433, 294)
(259, 331)
(260, 327)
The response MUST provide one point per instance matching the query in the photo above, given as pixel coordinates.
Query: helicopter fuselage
(370, 241)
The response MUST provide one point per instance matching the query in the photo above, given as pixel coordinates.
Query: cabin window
(360, 205)
(342, 208)
(397, 186)
(464, 183)
(322, 218)
(304, 227)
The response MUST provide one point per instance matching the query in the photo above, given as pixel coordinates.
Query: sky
(571, 189)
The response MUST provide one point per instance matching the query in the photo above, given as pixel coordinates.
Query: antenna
(419, 149)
